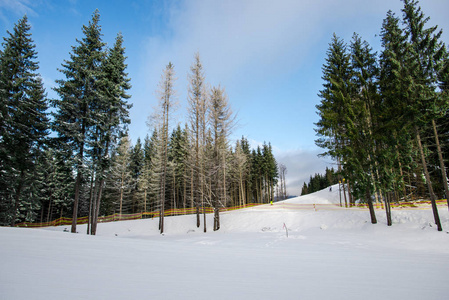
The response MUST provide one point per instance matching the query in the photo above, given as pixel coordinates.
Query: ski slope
(329, 253)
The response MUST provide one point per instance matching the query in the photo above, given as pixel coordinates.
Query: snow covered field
(330, 253)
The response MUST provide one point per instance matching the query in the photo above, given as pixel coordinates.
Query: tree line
(72, 156)
(383, 117)
(318, 181)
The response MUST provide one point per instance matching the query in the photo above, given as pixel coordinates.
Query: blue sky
(267, 55)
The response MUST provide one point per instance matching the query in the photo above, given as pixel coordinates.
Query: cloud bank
(300, 165)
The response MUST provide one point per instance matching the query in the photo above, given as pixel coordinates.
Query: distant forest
(78, 160)
(318, 182)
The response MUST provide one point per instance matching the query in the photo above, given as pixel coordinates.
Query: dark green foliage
(80, 99)
(177, 157)
(92, 111)
(335, 98)
(319, 182)
(23, 124)
(375, 111)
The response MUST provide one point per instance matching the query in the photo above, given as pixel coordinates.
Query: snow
(330, 253)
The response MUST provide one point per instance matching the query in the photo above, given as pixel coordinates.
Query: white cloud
(245, 45)
(18, 7)
(300, 165)
(257, 37)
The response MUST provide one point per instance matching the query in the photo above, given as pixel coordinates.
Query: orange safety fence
(137, 216)
(192, 210)
(422, 204)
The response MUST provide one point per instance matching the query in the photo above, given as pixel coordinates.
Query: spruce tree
(136, 168)
(79, 97)
(120, 180)
(359, 154)
(345, 125)
(335, 96)
(24, 121)
(426, 52)
(394, 116)
(111, 115)
(177, 155)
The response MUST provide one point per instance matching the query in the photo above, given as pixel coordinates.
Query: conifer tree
(136, 168)
(360, 151)
(393, 115)
(343, 116)
(111, 115)
(79, 96)
(119, 182)
(426, 52)
(143, 183)
(23, 124)
(52, 185)
(178, 152)
(334, 99)
(270, 171)
(156, 171)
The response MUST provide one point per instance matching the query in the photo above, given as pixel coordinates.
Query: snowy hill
(330, 253)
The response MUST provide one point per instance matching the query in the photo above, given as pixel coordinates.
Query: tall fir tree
(24, 121)
(111, 114)
(119, 179)
(335, 96)
(426, 52)
(136, 168)
(360, 155)
(79, 96)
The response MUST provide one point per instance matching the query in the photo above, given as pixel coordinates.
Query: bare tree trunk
(442, 167)
(429, 183)
(17, 197)
(174, 191)
(339, 192)
(145, 200)
(89, 219)
(185, 191)
(120, 202)
(76, 202)
(97, 206)
(371, 207)
(351, 200)
(49, 210)
(387, 202)
(344, 193)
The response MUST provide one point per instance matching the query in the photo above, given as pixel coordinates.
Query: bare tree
(161, 119)
(222, 120)
(282, 184)
(240, 163)
(198, 110)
